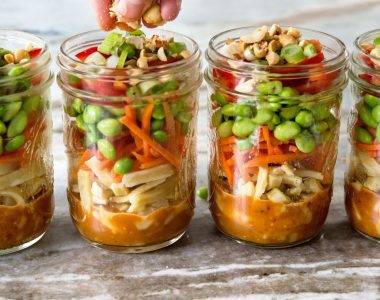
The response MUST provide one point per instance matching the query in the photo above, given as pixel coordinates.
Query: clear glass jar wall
(362, 180)
(26, 166)
(151, 206)
(274, 134)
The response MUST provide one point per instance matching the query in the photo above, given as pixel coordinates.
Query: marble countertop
(202, 265)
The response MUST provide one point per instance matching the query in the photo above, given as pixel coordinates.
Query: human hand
(131, 10)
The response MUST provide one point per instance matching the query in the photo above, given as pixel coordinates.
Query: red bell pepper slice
(84, 54)
(34, 52)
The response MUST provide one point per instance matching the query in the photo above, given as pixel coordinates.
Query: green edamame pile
(281, 109)
(369, 114)
(14, 118)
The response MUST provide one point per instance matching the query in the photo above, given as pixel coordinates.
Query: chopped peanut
(287, 40)
(273, 58)
(9, 58)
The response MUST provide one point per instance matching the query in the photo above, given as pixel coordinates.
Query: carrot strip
(130, 113)
(293, 148)
(139, 133)
(266, 135)
(106, 164)
(366, 147)
(275, 159)
(145, 124)
(141, 158)
(153, 163)
(170, 127)
(227, 141)
(227, 170)
(227, 148)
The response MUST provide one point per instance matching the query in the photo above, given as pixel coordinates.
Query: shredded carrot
(293, 149)
(106, 164)
(86, 155)
(145, 124)
(130, 113)
(170, 127)
(267, 159)
(227, 141)
(266, 135)
(367, 147)
(227, 170)
(139, 133)
(141, 158)
(153, 163)
(227, 148)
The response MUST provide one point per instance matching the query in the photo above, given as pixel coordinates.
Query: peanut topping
(9, 58)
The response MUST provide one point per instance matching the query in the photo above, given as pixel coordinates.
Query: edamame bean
(274, 99)
(31, 104)
(363, 135)
(123, 165)
(243, 127)
(91, 138)
(217, 118)
(92, 114)
(18, 124)
(269, 88)
(274, 106)
(170, 85)
(290, 112)
(305, 118)
(3, 128)
(286, 131)
(15, 143)
(109, 127)
(106, 149)
(378, 132)
(244, 144)
(366, 116)
(78, 105)
(16, 71)
(184, 116)
(305, 142)
(160, 136)
(202, 193)
(225, 129)
(229, 110)
(371, 100)
(156, 125)
(80, 122)
(158, 112)
(1, 145)
(11, 109)
(243, 110)
(177, 107)
(263, 116)
(276, 119)
(319, 127)
(288, 92)
(219, 98)
(320, 112)
(117, 111)
(376, 113)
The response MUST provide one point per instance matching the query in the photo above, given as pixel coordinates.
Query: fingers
(101, 9)
(131, 10)
(170, 9)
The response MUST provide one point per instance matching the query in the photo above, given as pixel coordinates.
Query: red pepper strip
(86, 53)
(35, 52)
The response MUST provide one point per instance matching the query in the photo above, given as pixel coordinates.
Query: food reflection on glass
(363, 175)
(26, 184)
(131, 143)
(275, 113)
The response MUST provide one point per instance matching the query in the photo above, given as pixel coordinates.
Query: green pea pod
(366, 116)
(106, 149)
(363, 135)
(17, 124)
(11, 109)
(15, 143)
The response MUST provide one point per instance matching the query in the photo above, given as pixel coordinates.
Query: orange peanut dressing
(20, 224)
(269, 223)
(105, 226)
(363, 209)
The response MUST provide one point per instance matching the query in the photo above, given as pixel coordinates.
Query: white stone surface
(340, 265)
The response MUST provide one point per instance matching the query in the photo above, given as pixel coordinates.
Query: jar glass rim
(358, 41)
(341, 55)
(195, 54)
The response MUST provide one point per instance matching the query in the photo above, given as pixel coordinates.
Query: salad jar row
(130, 118)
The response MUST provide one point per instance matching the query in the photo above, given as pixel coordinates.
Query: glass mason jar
(151, 206)
(362, 180)
(26, 165)
(274, 134)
